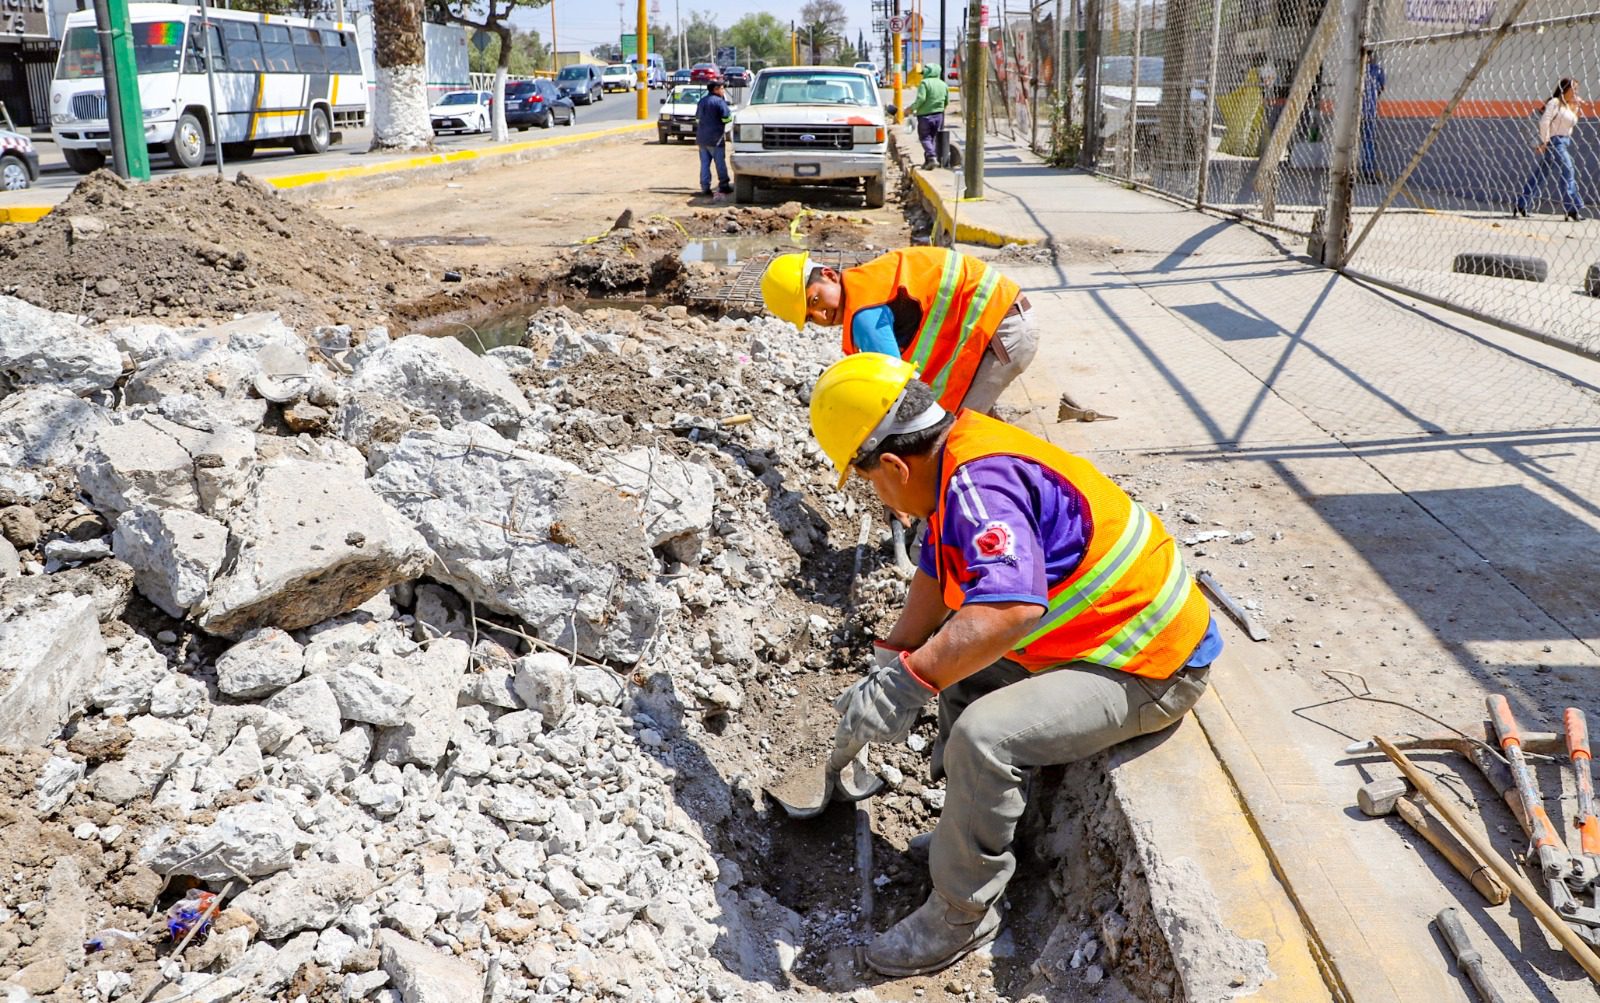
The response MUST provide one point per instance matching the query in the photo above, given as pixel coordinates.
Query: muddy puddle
(505, 325)
(726, 251)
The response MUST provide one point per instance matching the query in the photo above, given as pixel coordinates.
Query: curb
(454, 160)
(939, 205)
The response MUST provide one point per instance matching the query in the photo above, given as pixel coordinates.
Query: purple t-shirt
(1017, 526)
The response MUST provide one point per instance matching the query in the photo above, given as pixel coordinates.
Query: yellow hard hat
(853, 406)
(783, 287)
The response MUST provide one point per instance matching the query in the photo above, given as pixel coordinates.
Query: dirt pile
(188, 246)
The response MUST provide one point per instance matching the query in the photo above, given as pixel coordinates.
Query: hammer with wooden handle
(1386, 797)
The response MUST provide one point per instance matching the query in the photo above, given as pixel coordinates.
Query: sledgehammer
(1386, 797)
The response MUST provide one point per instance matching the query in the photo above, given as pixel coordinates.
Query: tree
(400, 95)
(490, 16)
(759, 37)
(528, 53)
(822, 25)
(700, 37)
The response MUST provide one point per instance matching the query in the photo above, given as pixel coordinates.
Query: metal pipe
(1211, 106)
(641, 55)
(108, 65)
(974, 77)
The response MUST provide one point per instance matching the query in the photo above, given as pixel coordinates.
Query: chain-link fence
(1412, 134)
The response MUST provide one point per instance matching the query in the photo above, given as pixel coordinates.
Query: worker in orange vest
(963, 324)
(1051, 614)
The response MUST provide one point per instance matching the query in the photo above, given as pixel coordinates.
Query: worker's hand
(883, 706)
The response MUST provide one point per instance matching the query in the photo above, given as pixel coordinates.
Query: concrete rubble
(381, 678)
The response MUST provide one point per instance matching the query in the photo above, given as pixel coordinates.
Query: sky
(584, 24)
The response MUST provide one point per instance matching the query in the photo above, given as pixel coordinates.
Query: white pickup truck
(811, 125)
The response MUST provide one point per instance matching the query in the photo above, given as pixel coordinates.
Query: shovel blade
(806, 792)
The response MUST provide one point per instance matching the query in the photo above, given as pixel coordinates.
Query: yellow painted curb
(23, 213)
(452, 157)
(965, 231)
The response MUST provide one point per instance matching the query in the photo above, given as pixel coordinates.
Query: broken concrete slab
(41, 348)
(442, 377)
(264, 661)
(365, 696)
(174, 554)
(308, 896)
(51, 652)
(675, 497)
(434, 677)
(205, 394)
(424, 975)
(544, 682)
(312, 541)
(252, 839)
(311, 703)
(530, 535)
(140, 462)
(43, 426)
(133, 668)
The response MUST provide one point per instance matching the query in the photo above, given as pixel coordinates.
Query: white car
(811, 125)
(619, 77)
(871, 68)
(19, 161)
(1116, 95)
(678, 109)
(462, 111)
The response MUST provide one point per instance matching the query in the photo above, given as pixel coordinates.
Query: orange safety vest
(1130, 604)
(963, 300)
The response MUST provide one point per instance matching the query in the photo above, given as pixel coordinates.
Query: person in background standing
(1555, 151)
(1371, 90)
(712, 116)
(933, 94)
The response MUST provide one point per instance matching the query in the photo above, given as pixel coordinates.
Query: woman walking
(1555, 151)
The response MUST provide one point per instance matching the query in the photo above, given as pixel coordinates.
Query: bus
(280, 81)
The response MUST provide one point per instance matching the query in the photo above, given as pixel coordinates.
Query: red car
(704, 73)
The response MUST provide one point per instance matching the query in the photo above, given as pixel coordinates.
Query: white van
(281, 81)
(655, 71)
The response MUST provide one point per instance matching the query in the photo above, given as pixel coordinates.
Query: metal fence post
(1133, 98)
(1211, 107)
(1347, 134)
(1089, 154)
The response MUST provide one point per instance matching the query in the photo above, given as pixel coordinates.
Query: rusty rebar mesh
(743, 292)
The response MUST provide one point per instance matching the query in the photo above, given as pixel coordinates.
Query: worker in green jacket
(933, 94)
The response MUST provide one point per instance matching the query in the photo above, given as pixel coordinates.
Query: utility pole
(944, 63)
(895, 28)
(641, 65)
(129, 156)
(553, 47)
(974, 88)
(794, 45)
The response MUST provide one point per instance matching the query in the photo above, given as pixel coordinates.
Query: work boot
(929, 165)
(917, 846)
(935, 936)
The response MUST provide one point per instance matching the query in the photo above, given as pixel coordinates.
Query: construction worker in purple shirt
(1051, 615)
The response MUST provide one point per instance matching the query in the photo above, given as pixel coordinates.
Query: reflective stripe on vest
(1152, 620)
(928, 334)
(969, 320)
(1075, 598)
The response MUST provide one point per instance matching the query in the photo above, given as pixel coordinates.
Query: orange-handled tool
(1577, 730)
(1542, 834)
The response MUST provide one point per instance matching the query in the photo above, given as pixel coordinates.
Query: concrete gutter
(936, 191)
(403, 168)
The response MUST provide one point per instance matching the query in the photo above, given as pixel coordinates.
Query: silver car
(19, 161)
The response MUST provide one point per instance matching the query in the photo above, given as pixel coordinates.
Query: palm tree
(400, 98)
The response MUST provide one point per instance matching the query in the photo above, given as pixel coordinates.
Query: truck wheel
(875, 192)
(84, 161)
(744, 189)
(661, 136)
(187, 147)
(320, 137)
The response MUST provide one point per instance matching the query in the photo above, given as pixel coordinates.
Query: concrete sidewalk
(1421, 494)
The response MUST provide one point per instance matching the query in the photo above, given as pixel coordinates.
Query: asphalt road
(56, 179)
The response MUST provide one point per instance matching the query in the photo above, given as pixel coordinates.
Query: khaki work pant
(1000, 722)
(1013, 346)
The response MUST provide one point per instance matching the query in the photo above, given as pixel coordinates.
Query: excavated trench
(1080, 925)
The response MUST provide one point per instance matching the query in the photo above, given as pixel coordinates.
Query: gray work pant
(1010, 350)
(1000, 722)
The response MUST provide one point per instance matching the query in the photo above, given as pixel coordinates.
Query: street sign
(897, 24)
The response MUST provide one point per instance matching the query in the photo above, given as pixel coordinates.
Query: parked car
(537, 102)
(462, 111)
(704, 73)
(19, 161)
(811, 125)
(581, 83)
(681, 77)
(737, 76)
(618, 77)
(1116, 95)
(678, 112)
(872, 68)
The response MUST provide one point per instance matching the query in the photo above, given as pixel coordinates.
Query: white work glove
(883, 706)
